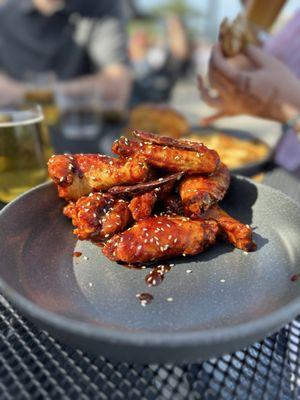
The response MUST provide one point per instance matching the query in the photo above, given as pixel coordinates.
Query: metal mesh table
(33, 365)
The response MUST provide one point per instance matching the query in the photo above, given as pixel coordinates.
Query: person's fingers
(212, 118)
(213, 101)
(258, 56)
(221, 64)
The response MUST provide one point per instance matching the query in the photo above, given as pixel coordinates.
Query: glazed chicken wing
(80, 174)
(162, 184)
(170, 154)
(98, 216)
(238, 234)
(146, 194)
(172, 204)
(141, 206)
(199, 192)
(159, 238)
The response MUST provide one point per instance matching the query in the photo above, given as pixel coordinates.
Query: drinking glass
(25, 148)
(80, 114)
(40, 89)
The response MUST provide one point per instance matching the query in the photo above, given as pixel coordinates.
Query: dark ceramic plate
(228, 301)
(250, 168)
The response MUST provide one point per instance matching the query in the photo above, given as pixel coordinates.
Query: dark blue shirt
(82, 38)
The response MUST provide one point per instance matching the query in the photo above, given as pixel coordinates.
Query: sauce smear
(77, 254)
(144, 298)
(295, 277)
(156, 275)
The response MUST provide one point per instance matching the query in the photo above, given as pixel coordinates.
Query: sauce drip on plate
(144, 298)
(295, 277)
(156, 275)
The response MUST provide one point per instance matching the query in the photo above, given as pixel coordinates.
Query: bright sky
(225, 7)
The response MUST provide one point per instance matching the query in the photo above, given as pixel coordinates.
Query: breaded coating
(236, 233)
(199, 192)
(98, 216)
(190, 158)
(80, 174)
(158, 238)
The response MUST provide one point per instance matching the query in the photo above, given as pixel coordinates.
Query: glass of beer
(40, 90)
(24, 150)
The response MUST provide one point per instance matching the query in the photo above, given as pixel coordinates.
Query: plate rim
(254, 328)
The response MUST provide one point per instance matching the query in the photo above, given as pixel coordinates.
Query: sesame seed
(106, 235)
(189, 271)
(172, 265)
(169, 299)
(85, 258)
(222, 280)
(184, 255)
(139, 247)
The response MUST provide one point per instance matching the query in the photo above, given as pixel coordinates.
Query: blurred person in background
(82, 41)
(158, 64)
(262, 82)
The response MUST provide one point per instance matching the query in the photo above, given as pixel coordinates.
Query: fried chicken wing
(199, 192)
(80, 174)
(98, 216)
(156, 185)
(141, 206)
(170, 154)
(238, 234)
(157, 238)
(172, 204)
